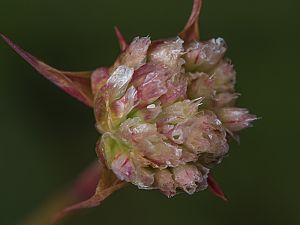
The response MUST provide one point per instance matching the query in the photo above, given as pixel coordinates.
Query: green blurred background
(47, 138)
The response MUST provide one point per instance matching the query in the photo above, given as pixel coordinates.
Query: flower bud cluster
(164, 110)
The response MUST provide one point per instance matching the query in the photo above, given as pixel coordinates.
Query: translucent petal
(165, 182)
(204, 56)
(135, 54)
(236, 119)
(117, 83)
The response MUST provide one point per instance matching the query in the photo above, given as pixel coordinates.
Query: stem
(43, 216)
(83, 188)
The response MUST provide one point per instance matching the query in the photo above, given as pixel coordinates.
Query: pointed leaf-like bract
(191, 29)
(76, 84)
(215, 188)
(108, 184)
(122, 41)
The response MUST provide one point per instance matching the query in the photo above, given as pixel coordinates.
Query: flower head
(164, 110)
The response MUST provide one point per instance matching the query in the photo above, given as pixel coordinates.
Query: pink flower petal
(165, 182)
(150, 81)
(135, 54)
(176, 90)
(187, 177)
(205, 55)
(123, 167)
(236, 119)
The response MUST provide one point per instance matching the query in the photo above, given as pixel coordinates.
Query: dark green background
(47, 138)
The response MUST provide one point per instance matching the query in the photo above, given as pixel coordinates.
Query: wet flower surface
(165, 110)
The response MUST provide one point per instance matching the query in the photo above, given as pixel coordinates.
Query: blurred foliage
(47, 138)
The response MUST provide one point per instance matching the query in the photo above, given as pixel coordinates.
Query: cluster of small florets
(165, 110)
